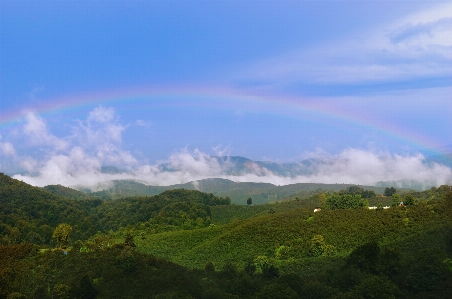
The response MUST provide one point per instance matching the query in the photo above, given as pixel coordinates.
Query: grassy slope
(413, 227)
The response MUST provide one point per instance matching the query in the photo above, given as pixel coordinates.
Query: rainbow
(217, 98)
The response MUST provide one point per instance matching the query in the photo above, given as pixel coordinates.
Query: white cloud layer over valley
(76, 160)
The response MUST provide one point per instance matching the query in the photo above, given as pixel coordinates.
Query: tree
(249, 201)
(337, 201)
(209, 267)
(250, 268)
(365, 257)
(426, 271)
(61, 235)
(317, 245)
(129, 240)
(61, 291)
(85, 289)
(377, 287)
(409, 200)
(396, 200)
(270, 271)
(276, 290)
(390, 191)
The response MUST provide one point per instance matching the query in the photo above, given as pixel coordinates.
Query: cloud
(97, 142)
(101, 136)
(36, 130)
(363, 167)
(7, 149)
(101, 115)
(142, 123)
(222, 151)
(75, 159)
(354, 166)
(429, 31)
(417, 46)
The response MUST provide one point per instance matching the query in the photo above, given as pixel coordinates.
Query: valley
(183, 243)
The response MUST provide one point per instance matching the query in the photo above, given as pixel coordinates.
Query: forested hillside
(238, 192)
(189, 244)
(30, 214)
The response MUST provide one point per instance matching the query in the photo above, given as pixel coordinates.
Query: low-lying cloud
(77, 161)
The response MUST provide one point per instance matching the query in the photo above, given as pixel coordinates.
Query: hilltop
(190, 244)
(238, 192)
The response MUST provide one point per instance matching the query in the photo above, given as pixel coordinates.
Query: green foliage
(129, 241)
(61, 291)
(390, 191)
(269, 271)
(365, 257)
(126, 261)
(282, 252)
(396, 200)
(336, 201)
(276, 290)
(66, 192)
(85, 289)
(249, 268)
(293, 253)
(377, 287)
(426, 272)
(62, 234)
(317, 290)
(317, 246)
(408, 200)
(30, 214)
(355, 190)
(209, 267)
(26, 220)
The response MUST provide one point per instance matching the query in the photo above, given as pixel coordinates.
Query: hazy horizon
(365, 86)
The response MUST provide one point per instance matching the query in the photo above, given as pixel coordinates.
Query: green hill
(414, 227)
(66, 192)
(30, 214)
(190, 244)
(238, 192)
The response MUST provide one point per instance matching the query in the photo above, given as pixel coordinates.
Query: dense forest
(61, 243)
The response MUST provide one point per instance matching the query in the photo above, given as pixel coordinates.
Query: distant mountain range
(221, 181)
(237, 166)
(239, 192)
(236, 191)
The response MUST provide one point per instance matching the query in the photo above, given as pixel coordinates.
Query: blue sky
(135, 83)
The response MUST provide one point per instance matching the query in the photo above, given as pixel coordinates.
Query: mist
(76, 161)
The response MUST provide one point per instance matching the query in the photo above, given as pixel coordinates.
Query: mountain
(66, 192)
(190, 244)
(236, 165)
(238, 192)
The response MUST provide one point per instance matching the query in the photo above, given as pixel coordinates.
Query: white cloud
(7, 149)
(415, 46)
(367, 168)
(222, 151)
(101, 136)
(96, 142)
(36, 130)
(142, 123)
(101, 115)
(352, 166)
(29, 164)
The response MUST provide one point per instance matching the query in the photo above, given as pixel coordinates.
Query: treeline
(283, 250)
(369, 271)
(29, 214)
